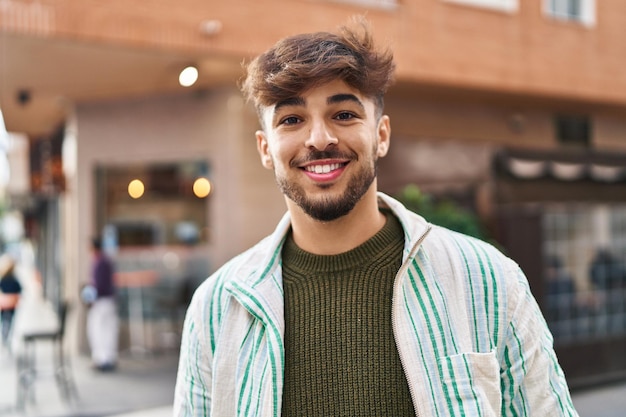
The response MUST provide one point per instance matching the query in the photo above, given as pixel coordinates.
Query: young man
(355, 306)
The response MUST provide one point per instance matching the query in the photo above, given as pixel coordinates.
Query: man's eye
(291, 120)
(344, 116)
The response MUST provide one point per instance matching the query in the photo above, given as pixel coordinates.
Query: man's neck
(340, 235)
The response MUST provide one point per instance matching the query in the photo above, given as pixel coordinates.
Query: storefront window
(585, 271)
(156, 204)
(153, 219)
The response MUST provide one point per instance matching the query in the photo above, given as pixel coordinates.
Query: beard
(327, 207)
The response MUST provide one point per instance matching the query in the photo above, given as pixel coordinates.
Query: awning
(568, 166)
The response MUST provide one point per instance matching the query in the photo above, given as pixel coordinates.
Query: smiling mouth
(323, 168)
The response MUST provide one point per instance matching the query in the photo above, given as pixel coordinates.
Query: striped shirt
(471, 338)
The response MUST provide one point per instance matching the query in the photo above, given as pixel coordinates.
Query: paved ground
(139, 383)
(144, 387)
(153, 412)
(603, 401)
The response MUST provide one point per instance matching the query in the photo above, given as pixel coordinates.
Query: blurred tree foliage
(446, 213)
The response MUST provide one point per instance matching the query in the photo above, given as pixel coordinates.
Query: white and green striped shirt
(471, 338)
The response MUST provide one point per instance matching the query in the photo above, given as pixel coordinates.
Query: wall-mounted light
(517, 122)
(188, 76)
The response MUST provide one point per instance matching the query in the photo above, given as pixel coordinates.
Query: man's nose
(320, 136)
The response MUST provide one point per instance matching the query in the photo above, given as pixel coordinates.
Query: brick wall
(436, 42)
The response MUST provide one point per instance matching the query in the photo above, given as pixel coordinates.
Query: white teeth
(322, 169)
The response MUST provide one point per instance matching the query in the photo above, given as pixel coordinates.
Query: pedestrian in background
(102, 318)
(10, 291)
(356, 306)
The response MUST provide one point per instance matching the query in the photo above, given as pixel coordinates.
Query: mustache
(316, 155)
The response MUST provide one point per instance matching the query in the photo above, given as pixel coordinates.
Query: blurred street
(144, 387)
(602, 401)
(139, 384)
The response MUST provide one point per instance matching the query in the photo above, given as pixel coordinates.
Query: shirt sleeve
(532, 381)
(192, 396)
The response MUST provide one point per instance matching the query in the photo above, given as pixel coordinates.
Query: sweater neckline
(369, 251)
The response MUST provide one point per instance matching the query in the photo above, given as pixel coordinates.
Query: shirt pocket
(471, 381)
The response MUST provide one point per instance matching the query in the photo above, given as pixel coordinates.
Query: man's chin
(326, 209)
(329, 202)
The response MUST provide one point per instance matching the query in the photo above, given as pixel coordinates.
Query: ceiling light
(188, 76)
(210, 27)
(201, 187)
(136, 188)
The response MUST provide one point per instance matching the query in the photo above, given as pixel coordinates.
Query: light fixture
(136, 188)
(188, 76)
(201, 187)
(210, 27)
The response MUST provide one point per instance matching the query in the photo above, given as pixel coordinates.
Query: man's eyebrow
(291, 101)
(339, 98)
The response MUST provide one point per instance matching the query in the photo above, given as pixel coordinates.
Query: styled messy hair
(298, 63)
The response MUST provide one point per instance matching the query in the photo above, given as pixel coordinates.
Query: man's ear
(384, 135)
(262, 147)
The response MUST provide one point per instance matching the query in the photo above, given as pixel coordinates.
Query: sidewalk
(602, 401)
(144, 387)
(138, 384)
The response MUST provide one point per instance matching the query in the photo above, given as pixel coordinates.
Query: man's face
(323, 147)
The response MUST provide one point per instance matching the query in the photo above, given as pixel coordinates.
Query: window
(165, 209)
(156, 232)
(573, 130)
(379, 4)
(503, 5)
(585, 271)
(583, 11)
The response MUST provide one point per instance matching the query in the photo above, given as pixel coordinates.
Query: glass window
(582, 11)
(381, 4)
(155, 204)
(154, 224)
(585, 271)
(573, 130)
(504, 5)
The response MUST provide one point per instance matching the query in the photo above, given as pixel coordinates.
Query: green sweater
(340, 353)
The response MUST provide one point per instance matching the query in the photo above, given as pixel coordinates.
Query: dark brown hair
(298, 63)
